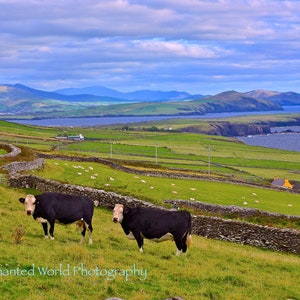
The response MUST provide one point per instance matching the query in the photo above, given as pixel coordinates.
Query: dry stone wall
(231, 210)
(17, 167)
(286, 240)
(12, 150)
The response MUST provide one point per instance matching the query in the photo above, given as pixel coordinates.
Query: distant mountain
(289, 98)
(140, 96)
(227, 101)
(21, 92)
(261, 94)
(284, 99)
(92, 90)
(20, 101)
(224, 102)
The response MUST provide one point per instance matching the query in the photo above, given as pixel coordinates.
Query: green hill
(20, 101)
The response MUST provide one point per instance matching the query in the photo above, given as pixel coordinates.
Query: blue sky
(202, 47)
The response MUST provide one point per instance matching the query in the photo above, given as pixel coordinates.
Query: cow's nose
(115, 220)
(28, 212)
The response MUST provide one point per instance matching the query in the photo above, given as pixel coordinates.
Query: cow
(62, 209)
(155, 224)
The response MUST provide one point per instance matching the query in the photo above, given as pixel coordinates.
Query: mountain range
(140, 96)
(20, 101)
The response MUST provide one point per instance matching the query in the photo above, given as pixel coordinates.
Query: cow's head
(118, 213)
(30, 203)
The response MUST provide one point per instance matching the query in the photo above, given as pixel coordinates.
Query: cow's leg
(139, 240)
(185, 242)
(45, 228)
(51, 230)
(184, 247)
(90, 228)
(83, 232)
(181, 244)
(178, 243)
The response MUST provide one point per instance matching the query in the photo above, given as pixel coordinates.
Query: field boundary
(285, 240)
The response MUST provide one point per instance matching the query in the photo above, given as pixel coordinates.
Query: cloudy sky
(197, 46)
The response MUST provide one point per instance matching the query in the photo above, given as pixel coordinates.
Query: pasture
(156, 189)
(34, 268)
(64, 269)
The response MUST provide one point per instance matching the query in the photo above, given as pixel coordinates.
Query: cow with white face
(29, 204)
(62, 209)
(155, 224)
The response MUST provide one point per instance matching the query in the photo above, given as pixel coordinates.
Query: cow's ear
(22, 200)
(110, 207)
(126, 209)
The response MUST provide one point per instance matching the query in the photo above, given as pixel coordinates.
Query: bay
(285, 140)
(95, 121)
(278, 139)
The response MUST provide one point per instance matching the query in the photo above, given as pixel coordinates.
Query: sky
(200, 47)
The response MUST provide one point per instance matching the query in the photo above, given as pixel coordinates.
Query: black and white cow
(155, 224)
(62, 209)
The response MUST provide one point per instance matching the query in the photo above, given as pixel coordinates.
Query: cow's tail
(189, 240)
(188, 233)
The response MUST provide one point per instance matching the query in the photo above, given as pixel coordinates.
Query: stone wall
(231, 210)
(11, 149)
(17, 167)
(100, 197)
(241, 232)
(286, 240)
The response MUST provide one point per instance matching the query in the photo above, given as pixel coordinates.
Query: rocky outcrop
(234, 129)
(230, 129)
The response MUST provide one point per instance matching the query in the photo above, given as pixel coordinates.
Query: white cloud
(176, 48)
(174, 42)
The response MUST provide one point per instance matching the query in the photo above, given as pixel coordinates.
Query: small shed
(79, 137)
(284, 183)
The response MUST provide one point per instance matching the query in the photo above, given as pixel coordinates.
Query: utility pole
(208, 161)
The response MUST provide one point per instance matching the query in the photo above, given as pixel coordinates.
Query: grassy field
(112, 266)
(156, 189)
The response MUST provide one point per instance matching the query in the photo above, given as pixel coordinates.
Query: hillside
(212, 269)
(20, 101)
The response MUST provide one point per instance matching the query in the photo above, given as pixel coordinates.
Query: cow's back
(156, 222)
(67, 208)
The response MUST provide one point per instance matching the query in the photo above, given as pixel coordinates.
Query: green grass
(173, 149)
(211, 270)
(156, 189)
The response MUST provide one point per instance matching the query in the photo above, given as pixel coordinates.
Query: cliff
(231, 129)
